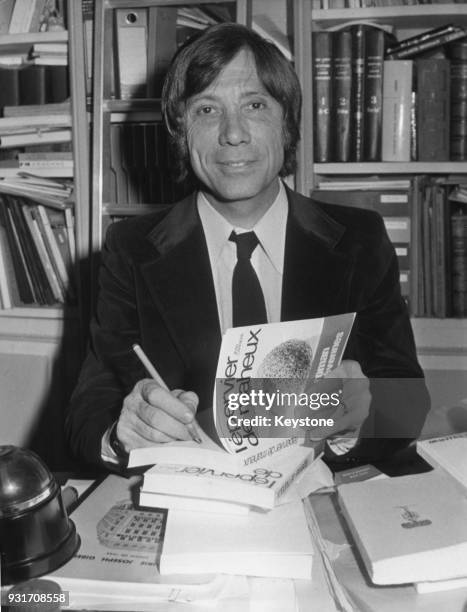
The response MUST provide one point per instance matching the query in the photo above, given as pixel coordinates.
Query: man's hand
(354, 406)
(152, 415)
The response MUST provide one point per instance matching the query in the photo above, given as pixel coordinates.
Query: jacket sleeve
(110, 369)
(382, 342)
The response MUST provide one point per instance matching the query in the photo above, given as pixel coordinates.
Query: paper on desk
(313, 478)
(272, 595)
(123, 596)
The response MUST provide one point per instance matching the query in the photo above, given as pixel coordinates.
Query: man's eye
(257, 105)
(205, 110)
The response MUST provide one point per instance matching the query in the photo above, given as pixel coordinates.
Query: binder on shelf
(162, 44)
(131, 28)
(397, 103)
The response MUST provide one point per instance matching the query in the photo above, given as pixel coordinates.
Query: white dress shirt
(267, 259)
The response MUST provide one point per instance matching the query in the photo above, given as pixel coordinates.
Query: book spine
(358, 78)
(342, 93)
(33, 138)
(459, 263)
(421, 38)
(397, 102)
(433, 109)
(9, 90)
(428, 44)
(374, 58)
(162, 45)
(322, 95)
(458, 89)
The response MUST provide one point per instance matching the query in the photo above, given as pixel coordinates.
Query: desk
(352, 575)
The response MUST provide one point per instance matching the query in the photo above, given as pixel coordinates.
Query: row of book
(139, 169)
(352, 4)
(426, 219)
(37, 246)
(21, 16)
(33, 84)
(368, 108)
(34, 130)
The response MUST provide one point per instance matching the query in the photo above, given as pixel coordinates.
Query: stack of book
(34, 129)
(37, 246)
(366, 107)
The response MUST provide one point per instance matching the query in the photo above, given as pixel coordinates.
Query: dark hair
(198, 63)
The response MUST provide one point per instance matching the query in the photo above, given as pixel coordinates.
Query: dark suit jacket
(156, 289)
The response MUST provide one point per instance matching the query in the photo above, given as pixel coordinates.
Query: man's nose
(234, 129)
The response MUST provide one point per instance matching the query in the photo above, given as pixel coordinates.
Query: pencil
(160, 381)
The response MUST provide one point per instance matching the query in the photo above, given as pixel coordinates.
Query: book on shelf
(404, 532)
(9, 91)
(447, 453)
(276, 544)
(358, 77)
(433, 109)
(397, 103)
(457, 53)
(322, 95)
(426, 41)
(342, 93)
(18, 272)
(131, 58)
(35, 137)
(459, 262)
(48, 108)
(20, 124)
(6, 271)
(373, 93)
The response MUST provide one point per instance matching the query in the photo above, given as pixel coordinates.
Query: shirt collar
(270, 229)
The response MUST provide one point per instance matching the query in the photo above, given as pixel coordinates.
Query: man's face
(235, 137)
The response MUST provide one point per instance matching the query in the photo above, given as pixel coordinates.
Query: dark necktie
(248, 307)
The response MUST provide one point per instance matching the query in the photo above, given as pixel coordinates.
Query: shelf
(29, 38)
(132, 210)
(420, 16)
(448, 167)
(131, 106)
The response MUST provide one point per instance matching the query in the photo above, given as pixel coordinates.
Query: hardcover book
(322, 95)
(397, 102)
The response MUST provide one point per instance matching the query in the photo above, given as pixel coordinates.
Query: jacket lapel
(188, 306)
(316, 276)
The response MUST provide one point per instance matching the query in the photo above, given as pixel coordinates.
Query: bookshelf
(41, 347)
(431, 334)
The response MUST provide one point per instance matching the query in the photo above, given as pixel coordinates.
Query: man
(232, 106)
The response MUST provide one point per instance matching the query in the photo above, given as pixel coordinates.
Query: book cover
(273, 369)
(448, 453)
(373, 93)
(403, 531)
(397, 102)
(277, 544)
(342, 93)
(433, 109)
(322, 95)
(358, 78)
